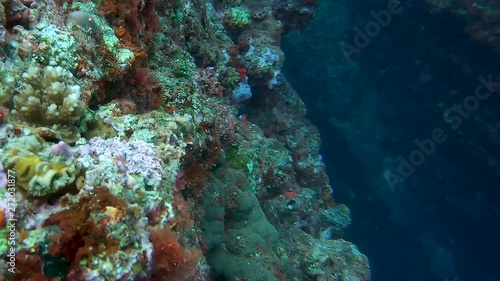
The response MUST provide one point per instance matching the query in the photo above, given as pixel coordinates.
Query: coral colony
(123, 157)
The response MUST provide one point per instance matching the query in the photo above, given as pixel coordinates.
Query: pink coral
(62, 148)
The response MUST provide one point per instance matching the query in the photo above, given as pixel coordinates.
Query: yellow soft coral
(50, 178)
(39, 171)
(25, 169)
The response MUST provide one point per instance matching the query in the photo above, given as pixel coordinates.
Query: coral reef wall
(159, 140)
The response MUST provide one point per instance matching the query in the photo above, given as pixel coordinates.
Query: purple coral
(136, 157)
(85, 149)
(62, 148)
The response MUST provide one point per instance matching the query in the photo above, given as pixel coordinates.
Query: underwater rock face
(159, 140)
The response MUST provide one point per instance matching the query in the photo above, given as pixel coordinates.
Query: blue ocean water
(407, 93)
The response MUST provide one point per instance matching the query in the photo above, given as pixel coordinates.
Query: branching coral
(50, 96)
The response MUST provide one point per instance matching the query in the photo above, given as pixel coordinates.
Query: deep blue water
(442, 222)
